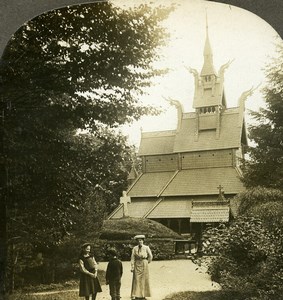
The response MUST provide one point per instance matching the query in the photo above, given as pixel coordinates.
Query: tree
(69, 77)
(265, 166)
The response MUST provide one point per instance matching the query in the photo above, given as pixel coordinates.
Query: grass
(210, 295)
(69, 285)
(62, 295)
(71, 295)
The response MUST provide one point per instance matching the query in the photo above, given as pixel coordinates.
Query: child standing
(114, 273)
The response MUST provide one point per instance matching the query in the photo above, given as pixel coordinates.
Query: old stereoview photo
(142, 153)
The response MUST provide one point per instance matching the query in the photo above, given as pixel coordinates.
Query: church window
(208, 78)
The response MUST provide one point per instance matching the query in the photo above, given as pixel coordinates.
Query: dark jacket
(114, 270)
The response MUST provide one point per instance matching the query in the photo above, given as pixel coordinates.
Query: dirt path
(166, 277)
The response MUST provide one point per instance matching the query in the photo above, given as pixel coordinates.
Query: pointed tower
(183, 169)
(208, 67)
(209, 99)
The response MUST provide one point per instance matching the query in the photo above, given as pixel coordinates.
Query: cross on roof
(125, 200)
(220, 187)
(221, 193)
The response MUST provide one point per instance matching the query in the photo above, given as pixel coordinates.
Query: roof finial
(206, 21)
(208, 68)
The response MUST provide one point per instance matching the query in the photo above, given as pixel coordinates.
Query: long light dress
(141, 257)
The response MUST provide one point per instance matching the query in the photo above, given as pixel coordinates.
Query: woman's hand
(93, 275)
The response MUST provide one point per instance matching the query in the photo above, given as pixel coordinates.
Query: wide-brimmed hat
(85, 245)
(139, 237)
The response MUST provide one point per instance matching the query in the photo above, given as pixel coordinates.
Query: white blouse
(141, 253)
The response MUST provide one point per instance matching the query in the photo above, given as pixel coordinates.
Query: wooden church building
(186, 171)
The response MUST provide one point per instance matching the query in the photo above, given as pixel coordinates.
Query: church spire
(208, 67)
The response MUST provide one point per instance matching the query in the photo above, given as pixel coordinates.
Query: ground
(166, 277)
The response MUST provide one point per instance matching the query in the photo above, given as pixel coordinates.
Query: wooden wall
(189, 160)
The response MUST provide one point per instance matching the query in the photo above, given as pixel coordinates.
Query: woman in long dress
(89, 283)
(140, 258)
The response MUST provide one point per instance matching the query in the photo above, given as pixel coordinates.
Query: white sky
(234, 33)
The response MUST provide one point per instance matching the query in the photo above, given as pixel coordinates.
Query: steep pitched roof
(150, 184)
(171, 208)
(165, 142)
(137, 209)
(199, 210)
(204, 182)
(187, 183)
(230, 134)
(159, 142)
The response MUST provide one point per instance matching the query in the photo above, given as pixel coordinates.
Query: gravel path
(166, 277)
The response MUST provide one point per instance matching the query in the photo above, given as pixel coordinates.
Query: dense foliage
(119, 233)
(249, 250)
(127, 228)
(69, 78)
(265, 166)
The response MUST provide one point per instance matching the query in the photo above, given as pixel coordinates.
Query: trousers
(114, 287)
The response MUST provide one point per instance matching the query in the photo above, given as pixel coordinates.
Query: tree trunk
(3, 212)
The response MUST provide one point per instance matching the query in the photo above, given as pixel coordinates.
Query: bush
(127, 228)
(161, 248)
(248, 259)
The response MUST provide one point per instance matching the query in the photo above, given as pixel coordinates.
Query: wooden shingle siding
(159, 163)
(207, 121)
(238, 157)
(207, 159)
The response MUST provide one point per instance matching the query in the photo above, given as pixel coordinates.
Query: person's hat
(139, 236)
(85, 245)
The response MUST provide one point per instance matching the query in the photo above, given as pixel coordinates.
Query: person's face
(87, 250)
(140, 242)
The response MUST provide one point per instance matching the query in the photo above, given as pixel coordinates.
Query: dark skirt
(89, 285)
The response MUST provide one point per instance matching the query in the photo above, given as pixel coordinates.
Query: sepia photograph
(141, 150)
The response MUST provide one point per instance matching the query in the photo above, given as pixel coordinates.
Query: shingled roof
(165, 142)
(205, 182)
(159, 142)
(210, 212)
(137, 209)
(171, 208)
(150, 184)
(187, 182)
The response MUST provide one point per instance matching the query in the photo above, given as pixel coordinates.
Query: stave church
(191, 174)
